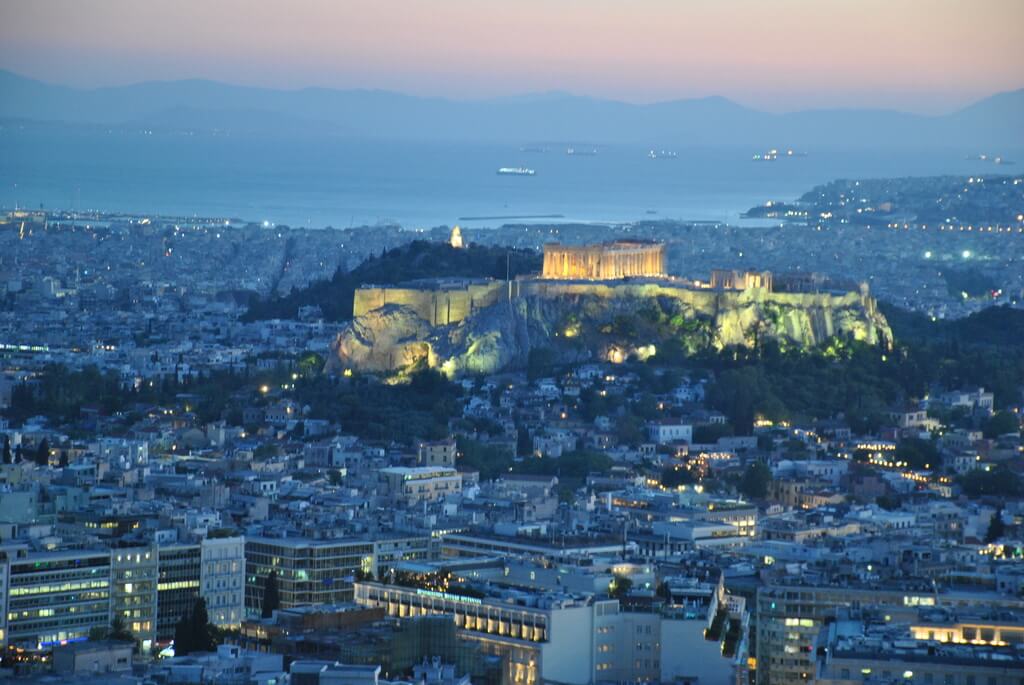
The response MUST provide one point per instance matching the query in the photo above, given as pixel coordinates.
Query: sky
(928, 56)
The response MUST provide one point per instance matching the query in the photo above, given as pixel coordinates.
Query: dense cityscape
(187, 489)
(457, 343)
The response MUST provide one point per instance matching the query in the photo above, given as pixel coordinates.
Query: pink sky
(918, 55)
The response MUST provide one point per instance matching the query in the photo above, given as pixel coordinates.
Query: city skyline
(917, 57)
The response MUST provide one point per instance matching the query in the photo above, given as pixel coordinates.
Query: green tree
(119, 630)
(755, 480)
(674, 476)
(918, 453)
(996, 527)
(629, 430)
(539, 362)
(620, 586)
(997, 482)
(204, 634)
(183, 635)
(524, 443)
(271, 596)
(42, 455)
(1000, 424)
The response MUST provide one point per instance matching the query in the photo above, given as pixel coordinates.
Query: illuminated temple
(607, 261)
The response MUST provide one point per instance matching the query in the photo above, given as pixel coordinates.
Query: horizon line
(549, 93)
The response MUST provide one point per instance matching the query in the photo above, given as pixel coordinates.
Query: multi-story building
(308, 571)
(437, 453)
(790, 616)
(568, 639)
(222, 580)
(134, 575)
(3, 599)
(938, 649)
(413, 485)
(178, 585)
(54, 597)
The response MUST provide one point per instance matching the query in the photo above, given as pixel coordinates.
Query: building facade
(222, 580)
(57, 596)
(177, 587)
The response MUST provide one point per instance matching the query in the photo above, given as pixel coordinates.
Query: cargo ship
(515, 171)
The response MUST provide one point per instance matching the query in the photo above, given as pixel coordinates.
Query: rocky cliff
(576, 321)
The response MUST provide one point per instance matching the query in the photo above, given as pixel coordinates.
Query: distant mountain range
(993, 124)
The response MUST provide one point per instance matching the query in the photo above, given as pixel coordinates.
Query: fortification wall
(440, 306)
(810, 318)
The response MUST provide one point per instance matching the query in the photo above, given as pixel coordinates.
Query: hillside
(991, 327)
(418, 259)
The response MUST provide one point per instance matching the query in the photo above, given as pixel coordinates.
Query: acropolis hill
(608, 301)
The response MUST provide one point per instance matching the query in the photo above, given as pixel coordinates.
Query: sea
(334, 182)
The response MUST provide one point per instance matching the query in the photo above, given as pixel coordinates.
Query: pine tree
(42, 456)
(183, 635)
(271, 596)
(524, 444)
(202, 632)
(996, 527)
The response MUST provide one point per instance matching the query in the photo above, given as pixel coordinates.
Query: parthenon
(607, 261)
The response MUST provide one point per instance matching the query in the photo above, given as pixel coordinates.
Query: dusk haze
(493, 342)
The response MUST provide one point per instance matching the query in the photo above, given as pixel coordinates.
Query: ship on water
(775, 154)
(515, 171)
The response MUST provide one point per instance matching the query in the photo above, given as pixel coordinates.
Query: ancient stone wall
(444, 304)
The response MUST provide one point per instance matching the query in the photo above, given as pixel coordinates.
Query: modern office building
(308, 571)
(54, 597)
(177, 587)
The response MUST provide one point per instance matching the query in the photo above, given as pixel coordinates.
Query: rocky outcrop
(577, 321)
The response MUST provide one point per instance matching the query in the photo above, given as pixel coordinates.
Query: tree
(674, 476)
(1000, 424)
(8, 457)
(539, 362)
(620, 586)
(629, 430)
(755, 480)
(193, 632)
(271, 596)
(1000, 481)
(524, 443)
(42, 455)
(119, 630)
(182, 636)
(996, 527)
(204, 635)
(918, 453)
